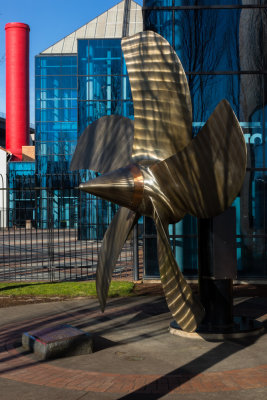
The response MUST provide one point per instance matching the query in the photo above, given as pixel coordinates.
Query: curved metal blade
(113, 241)
(208, 174)
(105, 145)
(184, 306)
(162, 103)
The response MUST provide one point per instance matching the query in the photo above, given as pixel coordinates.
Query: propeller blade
(104, 145)
(113, 241)
(205, 177)
(184, 306)
(162, 103)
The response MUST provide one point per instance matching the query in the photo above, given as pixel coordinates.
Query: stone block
(57, 341)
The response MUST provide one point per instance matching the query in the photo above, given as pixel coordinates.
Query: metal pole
(217, 268)
(135, 253)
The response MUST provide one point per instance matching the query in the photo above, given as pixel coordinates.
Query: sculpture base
(242, 327)
(57, 341)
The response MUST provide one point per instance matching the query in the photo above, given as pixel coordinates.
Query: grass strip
(63, 289)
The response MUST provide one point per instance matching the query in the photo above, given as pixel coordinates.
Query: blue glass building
(56, 112)
(21, 177)
(222, 46)
(56, 135)
(103, 83)
(83, 77)
(78, 80)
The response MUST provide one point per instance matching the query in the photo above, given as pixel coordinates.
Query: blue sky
(49, 21)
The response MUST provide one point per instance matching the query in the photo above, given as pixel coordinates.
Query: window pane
(104, 57)
(237, 39)
(37, 81)
(157, 3)
(126, 88)
(37, 114)
(69, 65)
(160, 22)
(68, 114)
(208, 2)
(37, 66)
(83, 87)
(50, 65)
(93, 110)
(128, 109)
(50, 82)
(208, 90)
(105, 88)
(37, 98)
(251, 260)
(83, 48)
(68, 81)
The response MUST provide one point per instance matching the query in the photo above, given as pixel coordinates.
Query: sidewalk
(135, 357)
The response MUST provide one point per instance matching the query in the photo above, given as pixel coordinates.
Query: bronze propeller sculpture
(153, 167)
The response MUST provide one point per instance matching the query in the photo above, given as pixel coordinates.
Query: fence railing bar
(53, 231)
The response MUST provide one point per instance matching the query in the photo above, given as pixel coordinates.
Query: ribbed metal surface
(204, 179)
(184, 306)
(162, 104)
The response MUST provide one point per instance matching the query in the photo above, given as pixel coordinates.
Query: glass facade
(55, 138)
(103, 89)
(21, 176)
(103, 83)
(222, 46)
(56, 112)
(72, 91)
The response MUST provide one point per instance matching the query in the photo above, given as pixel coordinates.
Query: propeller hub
(138, 179)
(124, 186)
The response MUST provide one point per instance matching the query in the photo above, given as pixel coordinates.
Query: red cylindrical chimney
(17, 88)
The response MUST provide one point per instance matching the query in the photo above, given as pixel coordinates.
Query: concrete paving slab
(135, 356)
(10, 390)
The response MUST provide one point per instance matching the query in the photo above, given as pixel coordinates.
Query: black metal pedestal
(217, 298)
(217, 269)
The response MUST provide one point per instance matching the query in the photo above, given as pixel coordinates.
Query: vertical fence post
(135, 253)
(50, 233)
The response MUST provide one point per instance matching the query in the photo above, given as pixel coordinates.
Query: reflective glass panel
(126, 92)
(160, 22)
(177, 3)
(251, 260)
(93, 110)
(214, 39)
(157, 3)
(208, 90)
(83, 87)
(212, 2)
(104, 67)
(68, 65)
(265, 119)
(104, 88)
(220, 40)
(251, 206)
(83, 50)
(128, 109)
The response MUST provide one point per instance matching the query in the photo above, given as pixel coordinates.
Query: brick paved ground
(135, 357)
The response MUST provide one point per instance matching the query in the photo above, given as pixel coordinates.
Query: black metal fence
(50, 231)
